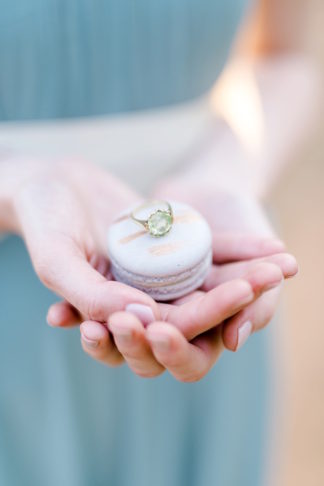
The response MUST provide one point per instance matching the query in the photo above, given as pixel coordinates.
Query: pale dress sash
(139, 147)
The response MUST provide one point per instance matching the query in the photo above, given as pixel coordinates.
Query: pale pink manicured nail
(243, 334)
(143, 312)
(89, 335)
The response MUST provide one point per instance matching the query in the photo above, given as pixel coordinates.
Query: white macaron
(165, 267)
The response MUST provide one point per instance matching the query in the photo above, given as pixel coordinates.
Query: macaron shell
(183, 248)
(166, 288)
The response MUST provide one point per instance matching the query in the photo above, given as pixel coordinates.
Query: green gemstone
(159, 223)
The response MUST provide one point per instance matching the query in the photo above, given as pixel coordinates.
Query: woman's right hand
(62, 210)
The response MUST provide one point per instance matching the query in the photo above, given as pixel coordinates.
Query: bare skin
(62, 212)
(62, 209)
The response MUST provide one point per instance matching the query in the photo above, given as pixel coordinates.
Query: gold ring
(159, 222)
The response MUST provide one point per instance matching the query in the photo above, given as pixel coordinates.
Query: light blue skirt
(66, 420)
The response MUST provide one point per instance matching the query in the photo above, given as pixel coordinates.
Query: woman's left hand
(244, 247)
(242, 237)
(193, 330)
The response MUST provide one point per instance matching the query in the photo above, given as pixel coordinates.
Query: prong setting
(158, 223)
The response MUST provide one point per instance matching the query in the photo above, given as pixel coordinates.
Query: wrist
(230, 210)
(8, 220)
(220, 163)
(8, 180)
(15, 173)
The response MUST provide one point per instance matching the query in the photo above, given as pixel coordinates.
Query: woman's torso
(71, 58)
(63, 418)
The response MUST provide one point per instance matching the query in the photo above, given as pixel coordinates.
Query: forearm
(268, 96)
(270, 104)
(270, 92)
(263, 111)
(6, 217)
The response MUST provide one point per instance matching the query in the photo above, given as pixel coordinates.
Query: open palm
(186, 336)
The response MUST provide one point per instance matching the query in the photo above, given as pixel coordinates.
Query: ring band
(159, 222)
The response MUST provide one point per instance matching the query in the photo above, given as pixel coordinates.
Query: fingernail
(90, 343)
(143, 312)
(159, 341)
(243, 334)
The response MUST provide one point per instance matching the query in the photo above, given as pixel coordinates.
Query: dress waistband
(153, 140)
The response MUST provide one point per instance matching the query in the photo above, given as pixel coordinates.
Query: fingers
(263, 277)
(66, 271)
(253, 318)
(188, 297)
(97, 343)
(56, 232)
(129, 336)
(199, 315)
(186, 361)
(223, 273)
(212, 308)
(63, 314)
(230, 247)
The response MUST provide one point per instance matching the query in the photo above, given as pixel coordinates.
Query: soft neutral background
(298, 200)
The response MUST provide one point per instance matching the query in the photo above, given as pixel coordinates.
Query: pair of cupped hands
(63, 210)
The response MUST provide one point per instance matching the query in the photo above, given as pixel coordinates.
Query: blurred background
(299, 205)
(298, 202)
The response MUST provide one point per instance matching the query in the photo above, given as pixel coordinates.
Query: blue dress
(66, 420)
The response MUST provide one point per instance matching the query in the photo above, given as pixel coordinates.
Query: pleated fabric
(70, 58)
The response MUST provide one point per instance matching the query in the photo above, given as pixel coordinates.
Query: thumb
(229, 247)
(67, 272)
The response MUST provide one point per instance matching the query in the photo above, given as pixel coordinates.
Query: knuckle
(98, 303)
(192, 374)
(266, 313)
(147, 373)
(91, 307)
(114, 362)
(129, 355)
(110, 358)
(139, 361)
(192, 377)
(173, 362)
(226, 302)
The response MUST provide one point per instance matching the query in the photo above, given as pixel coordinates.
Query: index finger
(230, 247)
(197, 316)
